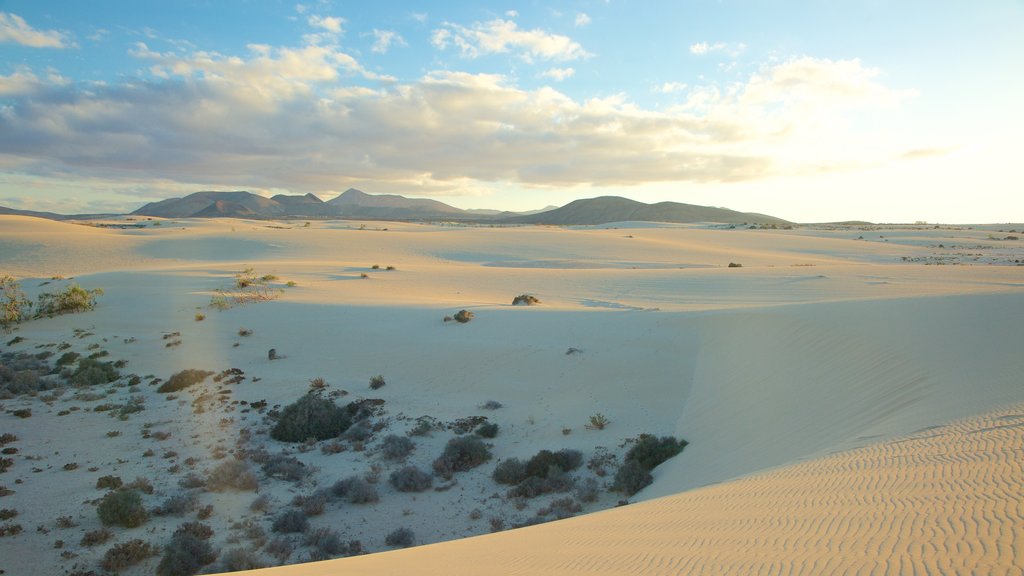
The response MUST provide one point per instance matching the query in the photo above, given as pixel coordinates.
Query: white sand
(798, 368)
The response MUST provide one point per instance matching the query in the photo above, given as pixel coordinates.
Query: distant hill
(354, 203)
(606, 209)
(211, 204)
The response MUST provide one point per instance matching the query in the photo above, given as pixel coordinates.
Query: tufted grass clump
(72, 299)
(232, 475)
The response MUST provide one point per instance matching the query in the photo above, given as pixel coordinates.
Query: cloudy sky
(811, 111)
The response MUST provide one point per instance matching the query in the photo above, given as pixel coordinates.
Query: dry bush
(410, 479)
(461, 454)
(400, 538)
(290, 521)
(127, 554)
(183, 379)
(355, 490)
(311, 416)
(232, 474)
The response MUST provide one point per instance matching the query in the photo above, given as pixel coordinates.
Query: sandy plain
(852, 395)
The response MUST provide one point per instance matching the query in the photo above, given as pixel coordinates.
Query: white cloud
(420, 17)
(292, 117)
(511, 13)
(332, 24)
(501, 36)
(701, 48)
(384, 39)
(14, 29)
(581, 20)
(558, 74)
(670, 88)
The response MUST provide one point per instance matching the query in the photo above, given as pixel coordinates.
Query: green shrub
(395, 447)
(92, 372)
(650, 451)
(525, 300)
(487, 430)
(401, 538)
(325, 542)
(311, 416)
(356, 490)
(463, 316)
(411, 479)
(67, 358)
(188, 551)
(510, 471)
(631, 478)
(555, 480)
(377, 382)
(14, 306)
(122, 508)
(238, 559)
(290, 521)
(564, 460)
(461, 454)
(183, 379)
(127, 554)
(285, 467)
(109, 483)
(73, 299)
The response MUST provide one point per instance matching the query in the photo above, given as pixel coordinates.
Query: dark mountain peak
(604, 209)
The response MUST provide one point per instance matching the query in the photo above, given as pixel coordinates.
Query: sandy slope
(944, 500)
(798, 368)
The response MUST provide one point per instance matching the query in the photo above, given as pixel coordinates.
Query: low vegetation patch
(525, 300)
(311, 416)
(232, 475)
(648, 452)
(14, 306)
(122, 508)
(127, 554)
(411, 479)
(188, 551)
(72, 299)
(461, 454)
(400, 538)
(184, 379)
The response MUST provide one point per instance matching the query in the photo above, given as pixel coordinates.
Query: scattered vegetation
(232, 475)
(91, 372)
(463, 316)
(598, 422)
(109, 483)
(238, 559)
(183, 379)
(311, 416)
(96, 537)
(735, 265)
(290, 521)
(487, 430)
(73, 299)
(377, 382)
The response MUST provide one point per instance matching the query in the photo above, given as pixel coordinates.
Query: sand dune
(820, 385)
(945, 500)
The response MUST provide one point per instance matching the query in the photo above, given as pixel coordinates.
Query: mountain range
(358, 205)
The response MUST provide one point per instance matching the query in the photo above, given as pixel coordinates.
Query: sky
(887, 111)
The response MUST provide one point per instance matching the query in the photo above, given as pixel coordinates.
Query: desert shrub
(461, 454)
(510, 471)
(311, 504)
(8, 513)
(74, 298)
(360, 432)
(735, 265)
(183, 379)
(561, 508)
(564, 460)
(325, 543)
(122, 508)
(188, 551)
(487, 430)
(191, 480)
(556, 480)
(141, 484)
(92, 372)
(588, 490)
(463, 316)
(377, 382)
(525, 300)
(356, 490)
(290, 521)
(411, 479)
(177, 505)
(401, 538)
(280, 548)
(95, 537)
(5, 464)
(14, 306)
(127, 554)
(238, 559)
(650, 451)
(311, 416)
(67, 358)
(285, 467)
(232, 474)
(631, 477)
(10, 529)
(491, 405)
(109, 483)
(395, 447)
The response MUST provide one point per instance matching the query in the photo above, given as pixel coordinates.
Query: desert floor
(852, 396)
